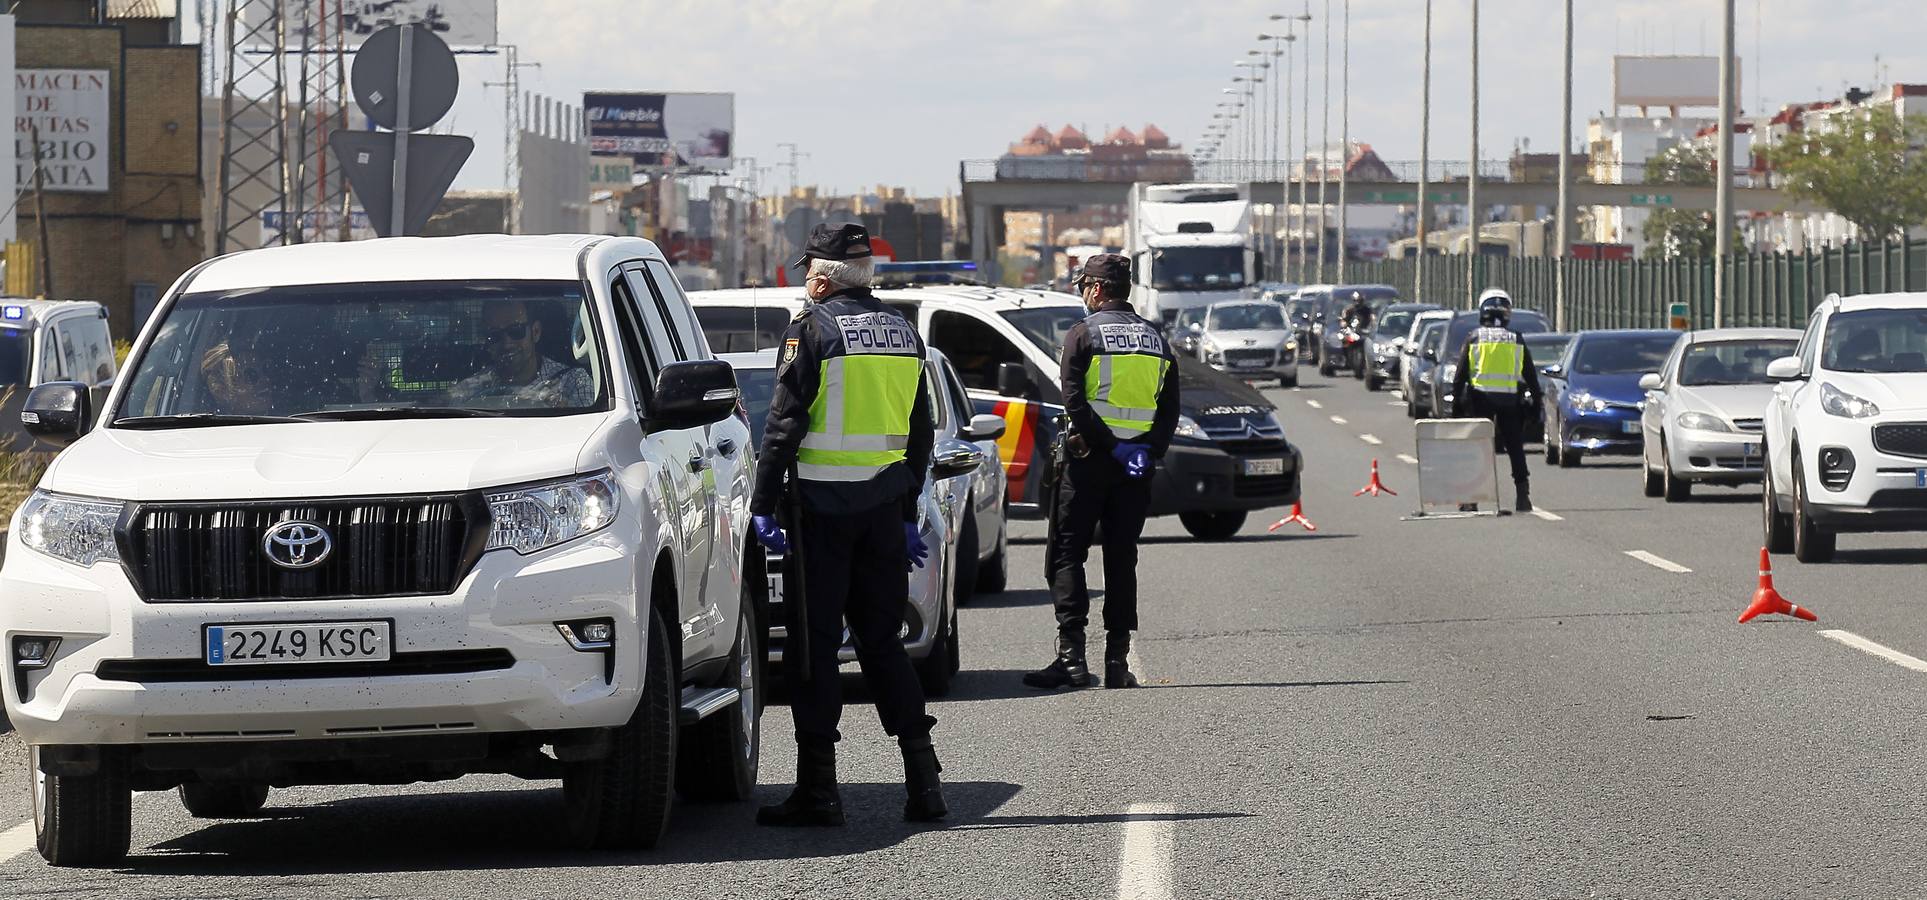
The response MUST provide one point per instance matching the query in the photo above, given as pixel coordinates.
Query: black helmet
(1495, 308)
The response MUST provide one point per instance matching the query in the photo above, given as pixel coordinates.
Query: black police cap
(1110, 268)
(837, 242)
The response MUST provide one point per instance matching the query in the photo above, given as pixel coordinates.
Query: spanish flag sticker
(789, 350)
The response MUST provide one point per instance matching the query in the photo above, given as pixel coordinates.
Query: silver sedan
(1703, 409)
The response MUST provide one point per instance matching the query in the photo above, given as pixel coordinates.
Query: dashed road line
(1314, 404)
(1408, 459)
(1339, 420)
(1394, 403)
(16, 840)
(1658, 562)
(1144, 866)
(1370, 439)
(1548, 515)
(1881, 650)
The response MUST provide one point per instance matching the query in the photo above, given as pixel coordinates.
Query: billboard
(69, 109)
(663, 132)
(1669, 81)
(459, 23)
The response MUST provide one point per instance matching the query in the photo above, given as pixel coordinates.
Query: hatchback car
(1246, 339)
(1593, 399)
(1846, 430)
(1384, 349)
(1705, 408)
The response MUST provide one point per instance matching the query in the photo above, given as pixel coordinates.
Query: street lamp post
(1424, 160)
(1563, 217)
(1344, 142)
(1723, 199)
(1472, 173)
(1325, 140)
(1281, 80)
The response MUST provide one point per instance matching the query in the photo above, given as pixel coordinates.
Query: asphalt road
(1477, 708)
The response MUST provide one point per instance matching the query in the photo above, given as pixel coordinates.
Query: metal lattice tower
(320, 108)
(254, 174)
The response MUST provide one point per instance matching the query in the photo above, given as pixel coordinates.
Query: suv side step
(701, 703)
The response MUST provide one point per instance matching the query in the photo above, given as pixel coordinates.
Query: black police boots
(920, 768)
(1068, 670)
(815, 800)
(1117, 660)
(1525, 496)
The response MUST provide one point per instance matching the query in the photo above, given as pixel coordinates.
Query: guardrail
(1085, 167)
(1765, 290)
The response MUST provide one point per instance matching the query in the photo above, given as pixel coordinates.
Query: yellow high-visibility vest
(1498, 362)
(1125, 376)
(860, 417)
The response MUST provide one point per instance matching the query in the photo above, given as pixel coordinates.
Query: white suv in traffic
(1846, 431)
(392, 511)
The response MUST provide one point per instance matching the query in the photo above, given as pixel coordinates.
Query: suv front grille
(1901, 439)
(381, 547)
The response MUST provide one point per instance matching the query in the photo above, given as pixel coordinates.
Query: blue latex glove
(913, 545)
(770, 533)
(1135, 458)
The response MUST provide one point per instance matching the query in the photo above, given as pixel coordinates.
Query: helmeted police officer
(850, 419)
(1496, 380)
(1120, 388)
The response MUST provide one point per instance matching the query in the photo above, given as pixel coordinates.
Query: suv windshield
(1877, 340)
(1731, 362)
(1198, 268)
(1247, 317)
(1046, 326)
(394, 350)
(1623, 354)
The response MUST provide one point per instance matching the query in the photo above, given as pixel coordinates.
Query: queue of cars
(1832, 418)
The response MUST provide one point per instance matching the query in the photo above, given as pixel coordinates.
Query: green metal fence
(1765, 289)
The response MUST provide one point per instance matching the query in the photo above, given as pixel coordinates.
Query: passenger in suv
(260, 572)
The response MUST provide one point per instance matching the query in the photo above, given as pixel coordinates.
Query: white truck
(1190, 245)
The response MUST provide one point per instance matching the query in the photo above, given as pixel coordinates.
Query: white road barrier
(1456, 465)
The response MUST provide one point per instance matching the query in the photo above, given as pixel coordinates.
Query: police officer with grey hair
(849, 428)
(1120, 385)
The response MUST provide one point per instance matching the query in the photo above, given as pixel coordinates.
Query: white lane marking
(1314, 404)
(16, 840)
(1338, 420)
(1144, 866)
(1408, 459)
(1400, 402)
(1548, 515)
(1658, 562)
(1884, 652)
(1370, 439)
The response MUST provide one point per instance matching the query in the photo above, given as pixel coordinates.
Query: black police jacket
(812, 337)
(1080, 346)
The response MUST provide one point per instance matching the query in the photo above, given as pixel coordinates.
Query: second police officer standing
(851, 418)
(1496, 380)
(1120, 388)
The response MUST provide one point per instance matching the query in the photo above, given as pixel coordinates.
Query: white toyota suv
(1846, 431)
(392, 511)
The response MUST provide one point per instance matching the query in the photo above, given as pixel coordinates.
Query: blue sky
(898, 92)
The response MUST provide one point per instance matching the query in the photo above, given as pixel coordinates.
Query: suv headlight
(1190, 429)
(1700, 421)
(79, 530)
(1837, 402)
(1584, 400)
(534, 518)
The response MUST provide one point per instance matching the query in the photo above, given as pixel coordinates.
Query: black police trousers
(854, 572)
(1096, 492)
(1508, 417)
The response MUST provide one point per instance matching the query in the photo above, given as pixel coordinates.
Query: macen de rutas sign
(69, 110)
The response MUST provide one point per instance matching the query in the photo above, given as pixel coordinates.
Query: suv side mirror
(953, 458)
(1013, 380)
(1651, 382)
(58, 412)
(693, 394)
(1786, 368)
(984, 427)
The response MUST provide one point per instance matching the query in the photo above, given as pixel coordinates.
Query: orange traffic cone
(1375, 486)
(1297, 516)
(1767, 600)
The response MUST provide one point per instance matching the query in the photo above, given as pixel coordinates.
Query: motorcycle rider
(1496, 380)
(1357, 319)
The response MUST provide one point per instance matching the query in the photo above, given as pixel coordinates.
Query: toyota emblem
(297, 544)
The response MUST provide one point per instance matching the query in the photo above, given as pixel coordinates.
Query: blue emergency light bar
(922, 267)
(13, 312)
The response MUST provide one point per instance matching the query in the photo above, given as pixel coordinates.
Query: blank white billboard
(459, 23)
(1669, 81)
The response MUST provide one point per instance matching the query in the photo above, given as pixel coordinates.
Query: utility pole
(1344, 143)
(40, 217)
(1325, 140)
(1562, 218)
(1723, 221)
(511, 85)
(1304, 145)
(1472, 216)
(1424, 160)
(795, 157)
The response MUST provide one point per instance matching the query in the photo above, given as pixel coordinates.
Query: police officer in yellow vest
(850, 414)
(1120, 389)
(1496, 380)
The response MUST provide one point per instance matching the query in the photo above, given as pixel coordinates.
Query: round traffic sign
(432, 81)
